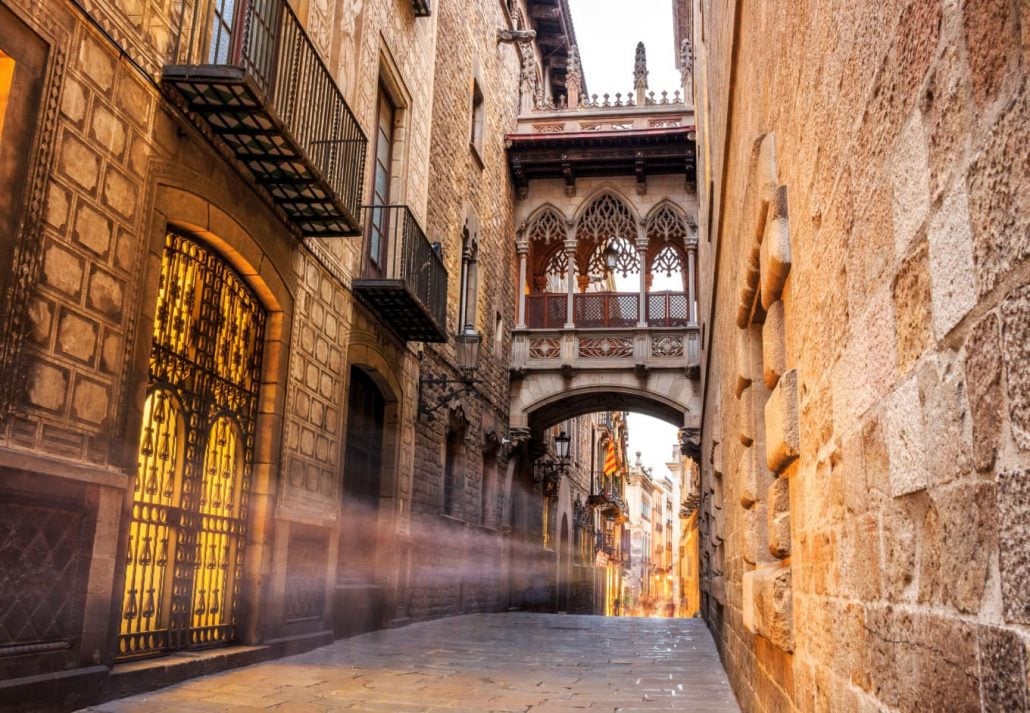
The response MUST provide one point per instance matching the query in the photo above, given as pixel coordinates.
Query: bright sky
(608, 32)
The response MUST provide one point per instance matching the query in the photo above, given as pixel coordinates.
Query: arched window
(604, 218)
(186, 538)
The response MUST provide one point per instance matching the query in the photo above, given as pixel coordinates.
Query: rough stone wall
(460, 561)
(864, 270)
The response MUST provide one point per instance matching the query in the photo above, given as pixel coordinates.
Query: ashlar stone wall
(865, 459)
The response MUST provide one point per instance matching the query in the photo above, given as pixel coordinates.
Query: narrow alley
(541, 663)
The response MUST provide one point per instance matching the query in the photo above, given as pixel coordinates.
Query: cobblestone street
(542, 663)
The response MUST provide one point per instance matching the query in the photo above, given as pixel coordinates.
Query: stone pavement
(541, 663)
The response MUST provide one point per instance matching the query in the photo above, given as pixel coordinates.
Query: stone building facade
(864, 453)
(216, 424)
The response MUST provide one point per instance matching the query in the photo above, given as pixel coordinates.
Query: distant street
(540, 663)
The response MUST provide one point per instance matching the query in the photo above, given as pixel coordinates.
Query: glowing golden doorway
(185, 552)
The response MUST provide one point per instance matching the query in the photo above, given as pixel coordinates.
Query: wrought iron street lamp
(466, 350)
(548, 472)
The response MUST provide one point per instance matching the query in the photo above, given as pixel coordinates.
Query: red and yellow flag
(611, 463)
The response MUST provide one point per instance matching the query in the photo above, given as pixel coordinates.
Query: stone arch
(667, 222)
(606, 211)
(253, 244)
(546, 223)
(543, 399)
(365, 355)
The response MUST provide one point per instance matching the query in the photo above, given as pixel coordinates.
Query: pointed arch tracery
(667, 223)
(606, 216)
(546, 225)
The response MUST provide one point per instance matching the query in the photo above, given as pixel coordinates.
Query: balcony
(265, 95)
(402, 277)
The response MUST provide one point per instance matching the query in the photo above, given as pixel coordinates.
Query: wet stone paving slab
(540, 663)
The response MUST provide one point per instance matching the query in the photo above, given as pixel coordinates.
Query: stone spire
(640, 74)
(687, 70)
(573, 78)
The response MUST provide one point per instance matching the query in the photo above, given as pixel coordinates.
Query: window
(378, 228)
(478, 118)
(6, 80)
(469, 275)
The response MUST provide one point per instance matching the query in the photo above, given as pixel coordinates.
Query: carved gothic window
(668, 260)
(606, 217)
(546, 226)
(556, 267)
(668, 224)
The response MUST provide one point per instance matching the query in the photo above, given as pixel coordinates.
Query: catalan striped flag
(611, 463)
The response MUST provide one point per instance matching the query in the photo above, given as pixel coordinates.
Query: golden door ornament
(185, 553)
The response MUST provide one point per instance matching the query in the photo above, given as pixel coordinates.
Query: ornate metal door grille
(186, 539)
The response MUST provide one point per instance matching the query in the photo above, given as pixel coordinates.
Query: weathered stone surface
(105, 292)
(48, 386)
(992, 38)
(910, 183)
(775, 253)
(41, 317)
(860, 558)
(743, 356)
(746, 418)
(755, 535)
(911, 292)
(899, 549)
(97, 63)
(948, 437)
(954, 569)
(773, 606)
(120, 193)
(77, 337)
(717, 466)
(90, 401)
(754, 477)
(952, 274)
(999, 202)
(778, 504)
(108, 130)
(80, 163)
(906, 442)
(1003, 670)
(774, 345)
(937, 664)
(1014, 543)
(1015, 333)
(92, 230)
(782, 428)
(983, 386)
(62, 270)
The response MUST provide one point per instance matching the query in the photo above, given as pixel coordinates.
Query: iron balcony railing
(261, 84)
(395, 250)
(612, 310)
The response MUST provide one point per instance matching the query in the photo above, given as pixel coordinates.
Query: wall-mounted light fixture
(547, 473)
(466, 348)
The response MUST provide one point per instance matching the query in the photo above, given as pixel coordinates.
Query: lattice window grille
(668, 225)
(668, 260)
(546, 227)
(606, 217)
(557, 265)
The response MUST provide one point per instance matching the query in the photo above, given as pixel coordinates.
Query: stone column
(522, 248)
(641, 246)
(570, 254)
(692, 285)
